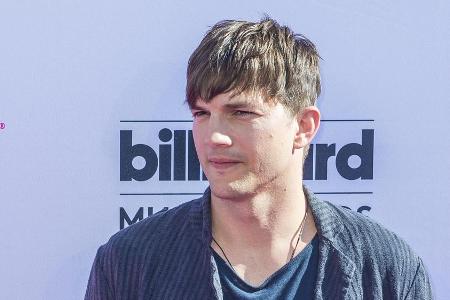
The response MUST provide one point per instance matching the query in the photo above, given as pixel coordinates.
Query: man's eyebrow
(196, 107)
(240, 104)
(233, 105)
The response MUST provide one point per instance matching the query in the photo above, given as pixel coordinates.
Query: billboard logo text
(177, 146)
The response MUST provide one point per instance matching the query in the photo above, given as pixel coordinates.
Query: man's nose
(218, 133)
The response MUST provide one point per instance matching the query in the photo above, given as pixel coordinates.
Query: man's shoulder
(369, 243)
(152, 233)
(382, 262)
(141, 258)
(358, 225)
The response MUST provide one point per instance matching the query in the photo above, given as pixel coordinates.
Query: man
(257, 232)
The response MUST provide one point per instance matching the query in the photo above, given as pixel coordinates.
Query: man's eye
(196, 114)
(242, 112)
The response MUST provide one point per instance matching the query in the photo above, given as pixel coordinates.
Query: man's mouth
(222, 162)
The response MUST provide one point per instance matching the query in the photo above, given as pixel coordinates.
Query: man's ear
(308, 122)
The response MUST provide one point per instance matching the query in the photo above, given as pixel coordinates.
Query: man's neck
(259, 233)
(258, 219)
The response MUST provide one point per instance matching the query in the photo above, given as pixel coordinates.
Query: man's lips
(222, 162)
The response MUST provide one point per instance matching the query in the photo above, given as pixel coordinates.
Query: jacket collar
(335, 268)
(200, 218)
(327, 222)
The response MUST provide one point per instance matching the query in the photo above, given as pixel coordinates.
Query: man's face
(244, 144)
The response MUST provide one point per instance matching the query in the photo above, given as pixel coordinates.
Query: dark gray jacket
(168, 256)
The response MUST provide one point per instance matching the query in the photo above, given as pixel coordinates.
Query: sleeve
(421, 286)
(98, 287)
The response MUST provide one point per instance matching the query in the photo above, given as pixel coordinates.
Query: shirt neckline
(295, 260)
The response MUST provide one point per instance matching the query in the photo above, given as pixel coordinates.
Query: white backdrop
(74, 73)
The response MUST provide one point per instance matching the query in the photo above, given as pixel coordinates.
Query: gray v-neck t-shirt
(295, 280)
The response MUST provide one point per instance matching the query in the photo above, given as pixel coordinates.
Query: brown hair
(261, 57)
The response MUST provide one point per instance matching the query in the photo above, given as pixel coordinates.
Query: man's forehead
(228, 100)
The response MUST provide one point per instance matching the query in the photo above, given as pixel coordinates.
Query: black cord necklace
(223, 252)
(300, 229)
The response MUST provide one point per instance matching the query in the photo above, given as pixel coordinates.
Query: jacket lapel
(335, 269)
(334, 274)
(200, 220)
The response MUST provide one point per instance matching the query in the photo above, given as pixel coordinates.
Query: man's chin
(230, 190)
